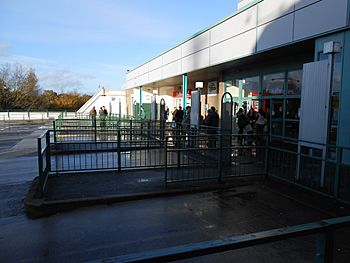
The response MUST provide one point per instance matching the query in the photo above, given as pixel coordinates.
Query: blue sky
(77, 45)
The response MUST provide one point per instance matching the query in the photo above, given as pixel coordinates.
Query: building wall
(261, 26)
(108, 98)
(344, 125)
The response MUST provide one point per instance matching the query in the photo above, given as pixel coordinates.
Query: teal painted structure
(140, 104)
(344, 116)
(184, 91)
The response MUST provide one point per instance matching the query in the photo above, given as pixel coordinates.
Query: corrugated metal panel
(314, 102)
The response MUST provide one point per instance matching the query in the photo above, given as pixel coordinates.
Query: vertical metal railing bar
(337, 171)
(119, 151)
(40, 167)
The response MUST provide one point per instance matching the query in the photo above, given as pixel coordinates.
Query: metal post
(337, 171)
(54, 131)
(48, 152)
(166, 161)
(119, 153)
(184, 92)
(95, 131)
(267, 159)
(130, 130)
(220, 158)
(148, 132)
(329, 247)
(324, 247)
(120, 109)
(40, 167)
(140, 104)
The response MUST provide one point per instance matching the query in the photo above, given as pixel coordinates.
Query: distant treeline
(19, 89)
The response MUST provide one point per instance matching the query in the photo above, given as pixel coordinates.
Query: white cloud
(5, 50)
(51, 74)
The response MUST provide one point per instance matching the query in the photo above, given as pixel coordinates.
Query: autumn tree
(19, 89)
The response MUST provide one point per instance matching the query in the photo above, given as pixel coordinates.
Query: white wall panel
(272, 9)
(142, 70)
(172, 69)
(172, 55)
(275, 33)
(314, 102)
(302, 3)
(235, 25)
(129, 84)
(195, 61)
(155, 75)
(320, 17)
(198, 43)
(136, 82)
(155, 63)
(143, 79)
(239, 46)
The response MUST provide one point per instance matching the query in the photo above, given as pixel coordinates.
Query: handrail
(325, 227)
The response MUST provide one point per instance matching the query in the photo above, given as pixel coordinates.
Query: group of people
(211, 121)
(103, 113)
(246, 121)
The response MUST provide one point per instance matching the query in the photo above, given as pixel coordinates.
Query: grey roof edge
(255, 2)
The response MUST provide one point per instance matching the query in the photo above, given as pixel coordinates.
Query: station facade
(289, 57)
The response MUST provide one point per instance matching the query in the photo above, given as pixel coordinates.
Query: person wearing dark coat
(179, 116)
(212, 121)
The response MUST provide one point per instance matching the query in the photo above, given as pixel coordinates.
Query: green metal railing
(190, 155)
(319, 167)
(323, 230)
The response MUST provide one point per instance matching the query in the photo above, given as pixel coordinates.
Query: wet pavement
(18, 163)
(106, 231)
(110, 230)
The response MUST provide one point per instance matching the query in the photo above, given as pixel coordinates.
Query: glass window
(250, 87)
(291, 129)
(233, 88)
(277, 109)
(276, 128)
(273, 84)
(294, 82)
(335, 110)
(292, 109)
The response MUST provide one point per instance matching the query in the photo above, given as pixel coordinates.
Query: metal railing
(191, 155)
(319, 167)
(324, 231)
(20, 115)
(44, 161)
(213, 156)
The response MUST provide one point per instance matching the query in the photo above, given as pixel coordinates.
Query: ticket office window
(294, 82)
(250, 87)
(273, 84)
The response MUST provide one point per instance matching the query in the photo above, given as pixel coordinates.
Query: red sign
(178, 94)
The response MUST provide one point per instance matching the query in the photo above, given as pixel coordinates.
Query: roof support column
(140, 104)
(184, 91)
